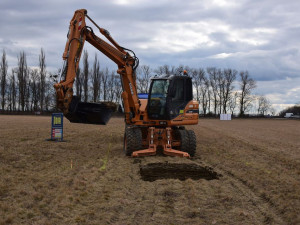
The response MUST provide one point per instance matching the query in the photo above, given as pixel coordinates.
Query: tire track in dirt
(265, 206)
(272, 211)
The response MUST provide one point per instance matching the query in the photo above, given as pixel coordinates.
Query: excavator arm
(77, 35)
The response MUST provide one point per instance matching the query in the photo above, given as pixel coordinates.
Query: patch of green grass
(24, 139)
(105, 160)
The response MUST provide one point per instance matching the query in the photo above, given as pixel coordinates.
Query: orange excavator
(152, 124)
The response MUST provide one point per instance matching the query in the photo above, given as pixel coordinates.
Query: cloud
(281, 93)
(259, 36)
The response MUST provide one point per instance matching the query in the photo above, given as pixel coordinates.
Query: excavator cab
(168, 96)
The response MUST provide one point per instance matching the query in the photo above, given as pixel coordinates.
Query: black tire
(132, 140)
(176, 133)
(192, 143)
(188, 141)
(184, 140)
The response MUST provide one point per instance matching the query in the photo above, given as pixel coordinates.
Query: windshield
(158, 97)
(160, 89)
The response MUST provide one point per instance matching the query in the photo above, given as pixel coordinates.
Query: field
(251, 175)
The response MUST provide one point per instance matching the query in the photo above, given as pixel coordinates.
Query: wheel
(188, 141)
(192, 142)
(132, 140)
(184, 140)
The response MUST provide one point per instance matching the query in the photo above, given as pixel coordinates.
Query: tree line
(292, 109)
(24, 88)
(217, 90)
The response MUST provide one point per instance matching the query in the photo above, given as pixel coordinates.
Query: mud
(181, 171)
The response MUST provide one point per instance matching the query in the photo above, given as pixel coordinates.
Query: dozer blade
(91, 113)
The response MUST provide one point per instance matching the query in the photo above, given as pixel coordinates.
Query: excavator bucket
(91, 113)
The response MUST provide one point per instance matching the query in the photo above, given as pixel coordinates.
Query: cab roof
(169, 77)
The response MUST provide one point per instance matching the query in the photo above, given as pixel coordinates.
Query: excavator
(153, 124)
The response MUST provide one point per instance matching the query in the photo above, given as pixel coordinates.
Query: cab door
(179, 94)
(157, 99)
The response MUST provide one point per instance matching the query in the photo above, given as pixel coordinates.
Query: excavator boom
(98, 113)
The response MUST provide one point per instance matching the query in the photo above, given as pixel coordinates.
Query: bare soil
(244, 172)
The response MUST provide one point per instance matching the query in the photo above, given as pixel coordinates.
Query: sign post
(57, 127)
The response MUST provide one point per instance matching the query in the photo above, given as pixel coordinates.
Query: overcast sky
(261, 36)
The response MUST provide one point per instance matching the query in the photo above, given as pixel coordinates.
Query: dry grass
(259, 161)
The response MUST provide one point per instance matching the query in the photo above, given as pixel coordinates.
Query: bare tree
(143, 78)
(263, 105)
(48, 95)
(35, 90)
(42, 83)
(162, 70)
(199, 79)
(232, 103)
(22, 74)
(272, 111)
(110, 87)
(205, 94)
(9, 94)
(208, 90)
(220, 86)
(117, 89)
(79, 83)
(213, 77)
(3, 81)
(85, 75)
(247, 84)
(96, 81)
(13, 90)
(196, 82)
(104, 78)
(27, 93)
(165, 70)
(229, 78)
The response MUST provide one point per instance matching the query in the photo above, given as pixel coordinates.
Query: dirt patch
(181, 171)
(88, 180)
